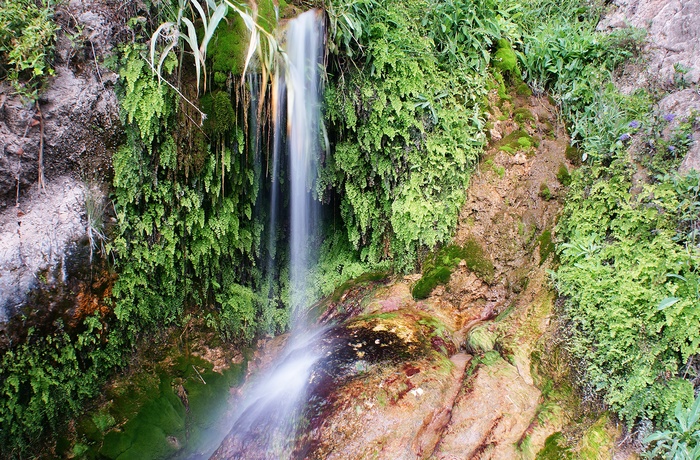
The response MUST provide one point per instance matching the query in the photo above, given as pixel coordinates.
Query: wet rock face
(78, 108)
(33, 241)
(78, 114)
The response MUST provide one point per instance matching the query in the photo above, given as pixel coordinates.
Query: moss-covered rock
(438, 268)
(546, 244)
(480, 340)
(229, 46)
(563, 175)
(505, 60)
(573, 154)
(515, 141)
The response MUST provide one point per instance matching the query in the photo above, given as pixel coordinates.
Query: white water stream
(269, 415)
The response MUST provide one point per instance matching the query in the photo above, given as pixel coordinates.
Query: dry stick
(42, 185)
(17, 198)
(200, 375)
(99, 75)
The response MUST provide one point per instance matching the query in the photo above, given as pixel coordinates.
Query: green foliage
(181, 239)
(27, 39)
(409, 133)
(563, 175)
(237, 316)
(627, 270)
(338, 264)
(682, 440)
(566, 55)
(240, 42)
(464, 31)
(47, 379)
(619, 265)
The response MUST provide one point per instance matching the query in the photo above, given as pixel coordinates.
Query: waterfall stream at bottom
(269, 415)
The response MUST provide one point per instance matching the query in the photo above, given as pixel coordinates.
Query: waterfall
(304, 51)
(268, 417)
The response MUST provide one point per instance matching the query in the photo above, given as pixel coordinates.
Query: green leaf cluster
(407, 135)
(184, 237)
(682, 440)
(628, 264)
(464, 32)
(618, 264)
(47, 378)
(27, 39)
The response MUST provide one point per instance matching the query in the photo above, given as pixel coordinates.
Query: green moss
(221, 118)
(523, 114)
(525, 142)
(490, 357)
(573, 154)
(146, 413)
(477, 261)
(499, 170)
(563, 175)
(501, 88)
(547, 246)
(523, 90)
(267, 17)
(481, 340)
(517, 140)
(505, 59)
(365, 278)
(596, 441)
(228, 46)
(555, 448)
(545, 193)
(430, 280)
(438, 268)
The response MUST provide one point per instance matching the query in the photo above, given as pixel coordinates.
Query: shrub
(682, 439)
(26, 43)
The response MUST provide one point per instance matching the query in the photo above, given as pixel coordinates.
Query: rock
(490, 419)
(673, 37)
(34, 238)
(682, 104)
(671, 50)
(404, 416)
(80, 117)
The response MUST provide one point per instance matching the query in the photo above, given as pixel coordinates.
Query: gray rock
(672, 44)
(80, 115)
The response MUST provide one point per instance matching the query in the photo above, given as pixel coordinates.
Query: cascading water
(304, 47)
(267, 420)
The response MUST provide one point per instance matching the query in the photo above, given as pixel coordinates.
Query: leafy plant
(171, 33)
(26, 43)
(682, 440)
(408, 135)
(464, 31)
